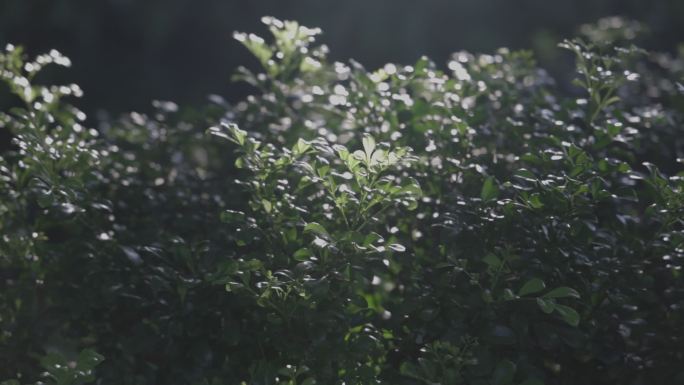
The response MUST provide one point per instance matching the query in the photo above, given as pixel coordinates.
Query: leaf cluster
(471, 224)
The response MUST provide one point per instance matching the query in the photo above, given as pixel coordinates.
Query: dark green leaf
(534, 285)
(568, 314)
(547, 305)
(316, 228)
(562, 292)
(489, 189)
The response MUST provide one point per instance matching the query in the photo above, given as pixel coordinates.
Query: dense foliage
(410, 225)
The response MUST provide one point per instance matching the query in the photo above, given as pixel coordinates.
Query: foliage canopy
(409, 225)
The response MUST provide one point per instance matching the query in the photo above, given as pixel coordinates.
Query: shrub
(476, 225)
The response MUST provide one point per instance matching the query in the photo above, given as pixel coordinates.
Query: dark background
(128, 52)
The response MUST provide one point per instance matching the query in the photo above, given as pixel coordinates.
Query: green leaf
(534, 285)
(610, 101)
(568, 314)
(52, 361)
(316, 228)
(342, 151)
(489, 189)
(547, 305)
(412, 189)
(535, 202)
(231, 216)
(46, 199)
(526, 175)
(301, 147)
(378, 158)
(359, 155)
(89, 359)
(492, 261)
(397, 247)
(217, 131)
(239, 163)
(302, 254)
(368, 145)
(323, 170)
(562, 292)
(268, 206)
(252, 265)
(237, 135)
(409, 369)
(256, 46)
(371, 238)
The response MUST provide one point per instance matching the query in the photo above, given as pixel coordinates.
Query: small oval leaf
(547, 305)
(316, 228)
(562, 292)
(534, 285)
(568, 314)
(489, 189)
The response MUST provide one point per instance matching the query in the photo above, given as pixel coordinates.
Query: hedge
(477, 223)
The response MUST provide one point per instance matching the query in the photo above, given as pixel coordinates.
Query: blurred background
(128, 52)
